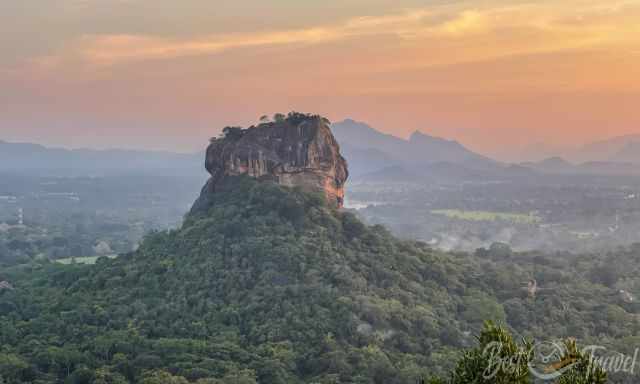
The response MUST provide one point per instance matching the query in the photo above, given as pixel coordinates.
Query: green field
(82, 260)
(488, 216)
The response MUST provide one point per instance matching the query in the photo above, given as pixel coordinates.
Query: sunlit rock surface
(299, 151)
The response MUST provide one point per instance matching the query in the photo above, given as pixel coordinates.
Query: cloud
(111, 49)
(541, 27)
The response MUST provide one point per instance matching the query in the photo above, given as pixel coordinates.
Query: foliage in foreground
(499, 359)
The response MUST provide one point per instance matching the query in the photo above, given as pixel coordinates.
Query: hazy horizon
(532, 152)
(499, 77)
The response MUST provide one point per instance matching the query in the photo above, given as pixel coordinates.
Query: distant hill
(617, 149)
(369, 149)
(630, 153)
(38, 159)
(557, 165)
(368, 160)
(608, 167)
(552, 165)
(361, 135)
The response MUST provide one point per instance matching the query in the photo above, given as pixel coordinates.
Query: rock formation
(296, 151)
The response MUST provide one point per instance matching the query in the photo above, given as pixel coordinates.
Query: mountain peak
(421, 137)
(370, 150)
(418, 135)
(351, 127)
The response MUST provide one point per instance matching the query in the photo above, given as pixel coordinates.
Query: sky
(503, 77)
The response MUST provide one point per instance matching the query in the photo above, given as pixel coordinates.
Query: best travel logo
(548, 361)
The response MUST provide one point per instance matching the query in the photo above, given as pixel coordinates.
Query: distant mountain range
(371, 154)
(624, 149)
(557, 165)
(41, 160)
(619, 155)
(368, 150)
(551, 165)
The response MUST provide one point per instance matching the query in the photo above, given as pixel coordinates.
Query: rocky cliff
(296, 151)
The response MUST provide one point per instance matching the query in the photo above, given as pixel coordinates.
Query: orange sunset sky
(500, 76)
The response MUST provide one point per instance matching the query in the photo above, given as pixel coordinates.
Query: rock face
(296, 151)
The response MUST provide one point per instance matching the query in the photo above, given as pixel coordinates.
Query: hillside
(272, 285)
(267, 280)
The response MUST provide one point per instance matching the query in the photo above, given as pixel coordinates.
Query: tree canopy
(272, 285)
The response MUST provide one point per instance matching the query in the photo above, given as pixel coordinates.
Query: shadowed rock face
(299, 151)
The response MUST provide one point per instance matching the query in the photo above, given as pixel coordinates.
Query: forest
(272, 285)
